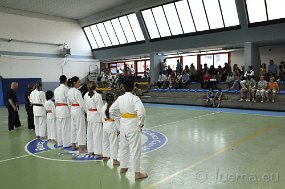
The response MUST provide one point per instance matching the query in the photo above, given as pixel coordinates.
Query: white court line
(14, 158)
(185, 120)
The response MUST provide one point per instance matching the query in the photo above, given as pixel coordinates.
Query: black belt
(38, 105)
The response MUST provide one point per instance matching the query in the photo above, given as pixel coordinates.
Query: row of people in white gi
(71, 127)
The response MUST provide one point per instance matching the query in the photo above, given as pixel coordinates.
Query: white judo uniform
(63, 125)
(78, 127)
(110, 134)
(51, 119)
(94, 126)
(38, 99)
(132, 118)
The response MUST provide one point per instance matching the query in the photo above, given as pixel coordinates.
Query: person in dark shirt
(13, 107)
(29, 107)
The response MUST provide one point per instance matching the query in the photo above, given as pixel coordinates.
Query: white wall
(30, 60)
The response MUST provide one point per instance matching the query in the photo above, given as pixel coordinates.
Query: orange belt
(92, 110)
(127, 115)
(75, 105)
(60, 104)
(49, 111)
(109, 120)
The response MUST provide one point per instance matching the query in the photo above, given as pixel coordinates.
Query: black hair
(62, 79)
(110, 99)
(31, 86)
(129, 85)
(49, 95)
(38, 85)
(73, 80)
(69, 83)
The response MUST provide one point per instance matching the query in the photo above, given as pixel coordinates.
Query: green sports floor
(205, 148)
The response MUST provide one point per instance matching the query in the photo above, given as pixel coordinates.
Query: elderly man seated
(162, 80)
(247, 86)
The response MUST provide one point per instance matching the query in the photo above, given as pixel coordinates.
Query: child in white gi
(78, 127)
(110, 132)
(51, 120)
(38, 99)
(94, 104)
(132, 120)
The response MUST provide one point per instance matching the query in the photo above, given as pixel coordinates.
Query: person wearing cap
(94, 104)
(63, 126)
(131, 122)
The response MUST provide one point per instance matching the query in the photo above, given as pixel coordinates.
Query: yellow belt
(126, 115)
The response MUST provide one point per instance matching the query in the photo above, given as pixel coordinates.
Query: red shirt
(207, 77)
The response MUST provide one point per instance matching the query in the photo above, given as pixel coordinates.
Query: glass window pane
(207, 59)
(127, 29)
(199, 15)
(119, 31)
(136, 27)
(171, 62)
(161, 21)
(111, 33)
(140, 66)
(147, 64)
(220, 60)
(120, 67)
(185, 16)
(214, 14)
(275, 9)
(150, 24)
(97, 36)
(104, 35)
(172, 19)
(188, 60)
(229, 11)
(256, 10)
(90, 38)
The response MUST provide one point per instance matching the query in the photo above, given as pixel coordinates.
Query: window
(141, 66)
(172, 18)
(207, 59)
(214, 59)
(91, 38)
(118, 31)
(188, 60)
(214, 13)
(265, 10)
(172, 62)
(185, 16)
(189, 16)
(150, 24)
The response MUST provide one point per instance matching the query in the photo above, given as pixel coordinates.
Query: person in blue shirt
(272, 69)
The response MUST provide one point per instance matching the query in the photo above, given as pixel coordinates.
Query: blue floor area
(224, 110)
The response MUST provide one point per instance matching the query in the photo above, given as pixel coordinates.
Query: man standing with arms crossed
(63, 124)
(132, 120)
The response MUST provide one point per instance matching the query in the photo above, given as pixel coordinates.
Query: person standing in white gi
(62, 114)
(110, 131)
(78, 127)
(38, 99)
(131, 123)
(50, 108)
(94, 104)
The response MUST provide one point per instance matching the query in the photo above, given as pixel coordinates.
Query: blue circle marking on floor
(151, 141)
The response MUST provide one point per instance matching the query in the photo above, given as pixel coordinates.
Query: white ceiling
(74, 9)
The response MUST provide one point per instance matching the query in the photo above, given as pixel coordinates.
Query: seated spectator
(210, 98)
(249, 72)
(205, 68)
(193, 73)
(168, 71)
(207, 81)
(219, 73)
(272, 89)
(162, 80)
(272, 69)
(235, 67)
(227, 69)
(185, 79)
(171, 80)
(178, 82)
(218, 98)
(230, 80)
(248, 87)
(237, 78)
(261, 88)
(213, 72)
